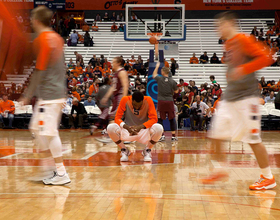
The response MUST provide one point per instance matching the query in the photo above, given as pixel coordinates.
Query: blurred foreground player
(238, 116)
(136, 120)
(49, 83)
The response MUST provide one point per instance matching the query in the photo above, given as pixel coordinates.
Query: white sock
(122, 145)
(266, 172)
(60, 169)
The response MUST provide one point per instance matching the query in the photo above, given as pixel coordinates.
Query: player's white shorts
(46, 118)
(117, 133)
(238, 121)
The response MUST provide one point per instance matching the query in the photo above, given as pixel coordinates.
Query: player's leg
(252, 123)
(49, 133)
(114, 132)
(155, 134)
(173, 127)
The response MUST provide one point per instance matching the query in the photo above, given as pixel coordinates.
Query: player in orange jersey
(136, 120)
(238, 116)
(48, 81)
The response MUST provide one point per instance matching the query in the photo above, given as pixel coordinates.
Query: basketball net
(158, 36)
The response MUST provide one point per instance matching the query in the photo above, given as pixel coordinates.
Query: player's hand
(236, 74)
(104, 101)
(158, 64)
(130, 130)
(138, 128)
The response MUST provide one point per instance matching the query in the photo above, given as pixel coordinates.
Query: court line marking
(9, 156)
(151, 198)
(89, 155)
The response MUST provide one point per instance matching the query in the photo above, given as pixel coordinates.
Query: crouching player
(136, 120)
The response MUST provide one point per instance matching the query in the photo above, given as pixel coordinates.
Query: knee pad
(158, 128)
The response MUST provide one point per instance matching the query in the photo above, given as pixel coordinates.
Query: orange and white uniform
(238, 116)
(146, 116)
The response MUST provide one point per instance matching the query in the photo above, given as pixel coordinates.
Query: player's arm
(152, 114)
(41, 65)
(261, 58)
(124, 80)
(155, 73)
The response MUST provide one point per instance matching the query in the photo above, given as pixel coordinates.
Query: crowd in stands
(204, 59)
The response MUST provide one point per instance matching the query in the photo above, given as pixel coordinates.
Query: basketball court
(103, 188)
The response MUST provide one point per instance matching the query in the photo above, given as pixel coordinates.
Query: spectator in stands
(76, 94)
(89, 102)
(174, 66)
(142, 70)
(102, 60)
(181, 85)
(98, 17)
(70, 64)
(189, 95)
(87, 39)
(146, 65)
(95, 27)
(166, 64)
(277, 62)
(204, 58)
(79, 57)
(71, 81)
(113, 17)
(76, 120)
(121, 28)
(214, 59)
(140, 59)
(74, 38)
(255, 31)
(85, 27)
(137, 81)
(212, 79)
(261, 34)
(192, 84)
(107, 63)
(262, 82)
(78, 70)
(184, 113)
(198, 114)
(193, 59)
(72, 23)
(137, 66)
(93, 60)
(274, 48)
(270, 32)
(277, 101)
(132, 61)
(133, 17)
(88, 73)
(7, 110)
(94, 88)
(106, 17)
(217, 91)
(270, 98)
(120, 17)
(114, 27)
(97, 70)
(106, 72)
(127, 65)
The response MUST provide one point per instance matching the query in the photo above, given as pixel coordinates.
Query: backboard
(142, 19)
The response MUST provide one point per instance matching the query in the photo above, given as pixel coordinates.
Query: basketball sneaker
(104, 131)
(41, 175)
(124, 153)
(57, 179)
(174, 139)
(214, 177)
(147, 155)
(263, 183)
(162, 138)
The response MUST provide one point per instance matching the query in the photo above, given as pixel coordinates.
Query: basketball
(153, 40)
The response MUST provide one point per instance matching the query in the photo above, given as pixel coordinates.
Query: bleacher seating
(201, 36)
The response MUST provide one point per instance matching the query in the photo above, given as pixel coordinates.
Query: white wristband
(122, 124)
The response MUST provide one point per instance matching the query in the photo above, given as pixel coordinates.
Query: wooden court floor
(169, 188)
